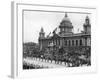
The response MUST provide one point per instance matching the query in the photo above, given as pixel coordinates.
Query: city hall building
(66, 38)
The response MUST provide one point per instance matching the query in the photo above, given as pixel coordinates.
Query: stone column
(78, 42)
(83, 42)
(67, 42)
(70, 42)
(60, 42)
(74, 42)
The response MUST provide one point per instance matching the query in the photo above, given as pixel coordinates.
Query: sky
(34, 20)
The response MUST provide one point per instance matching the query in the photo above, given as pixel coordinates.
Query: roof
(71, 35)
(76, 35)
(66, 22)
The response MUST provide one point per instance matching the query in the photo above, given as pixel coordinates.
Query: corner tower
(42, 34)
(87, 25)
(41, 37)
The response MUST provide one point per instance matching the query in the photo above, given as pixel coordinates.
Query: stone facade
(66, 38)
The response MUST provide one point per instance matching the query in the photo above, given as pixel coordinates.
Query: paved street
(44, 63)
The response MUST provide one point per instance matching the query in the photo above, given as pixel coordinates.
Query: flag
(54, 30)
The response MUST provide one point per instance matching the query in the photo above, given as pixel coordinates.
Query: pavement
(44, 63)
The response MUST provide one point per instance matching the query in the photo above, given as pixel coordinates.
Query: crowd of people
(72, 58)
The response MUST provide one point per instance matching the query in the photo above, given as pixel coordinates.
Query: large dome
(66, 22)
(66, 18)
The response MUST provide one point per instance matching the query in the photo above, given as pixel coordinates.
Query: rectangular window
(80, 42)
(69, 42)
(72, 42)
(76, 42)
(65, 43)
